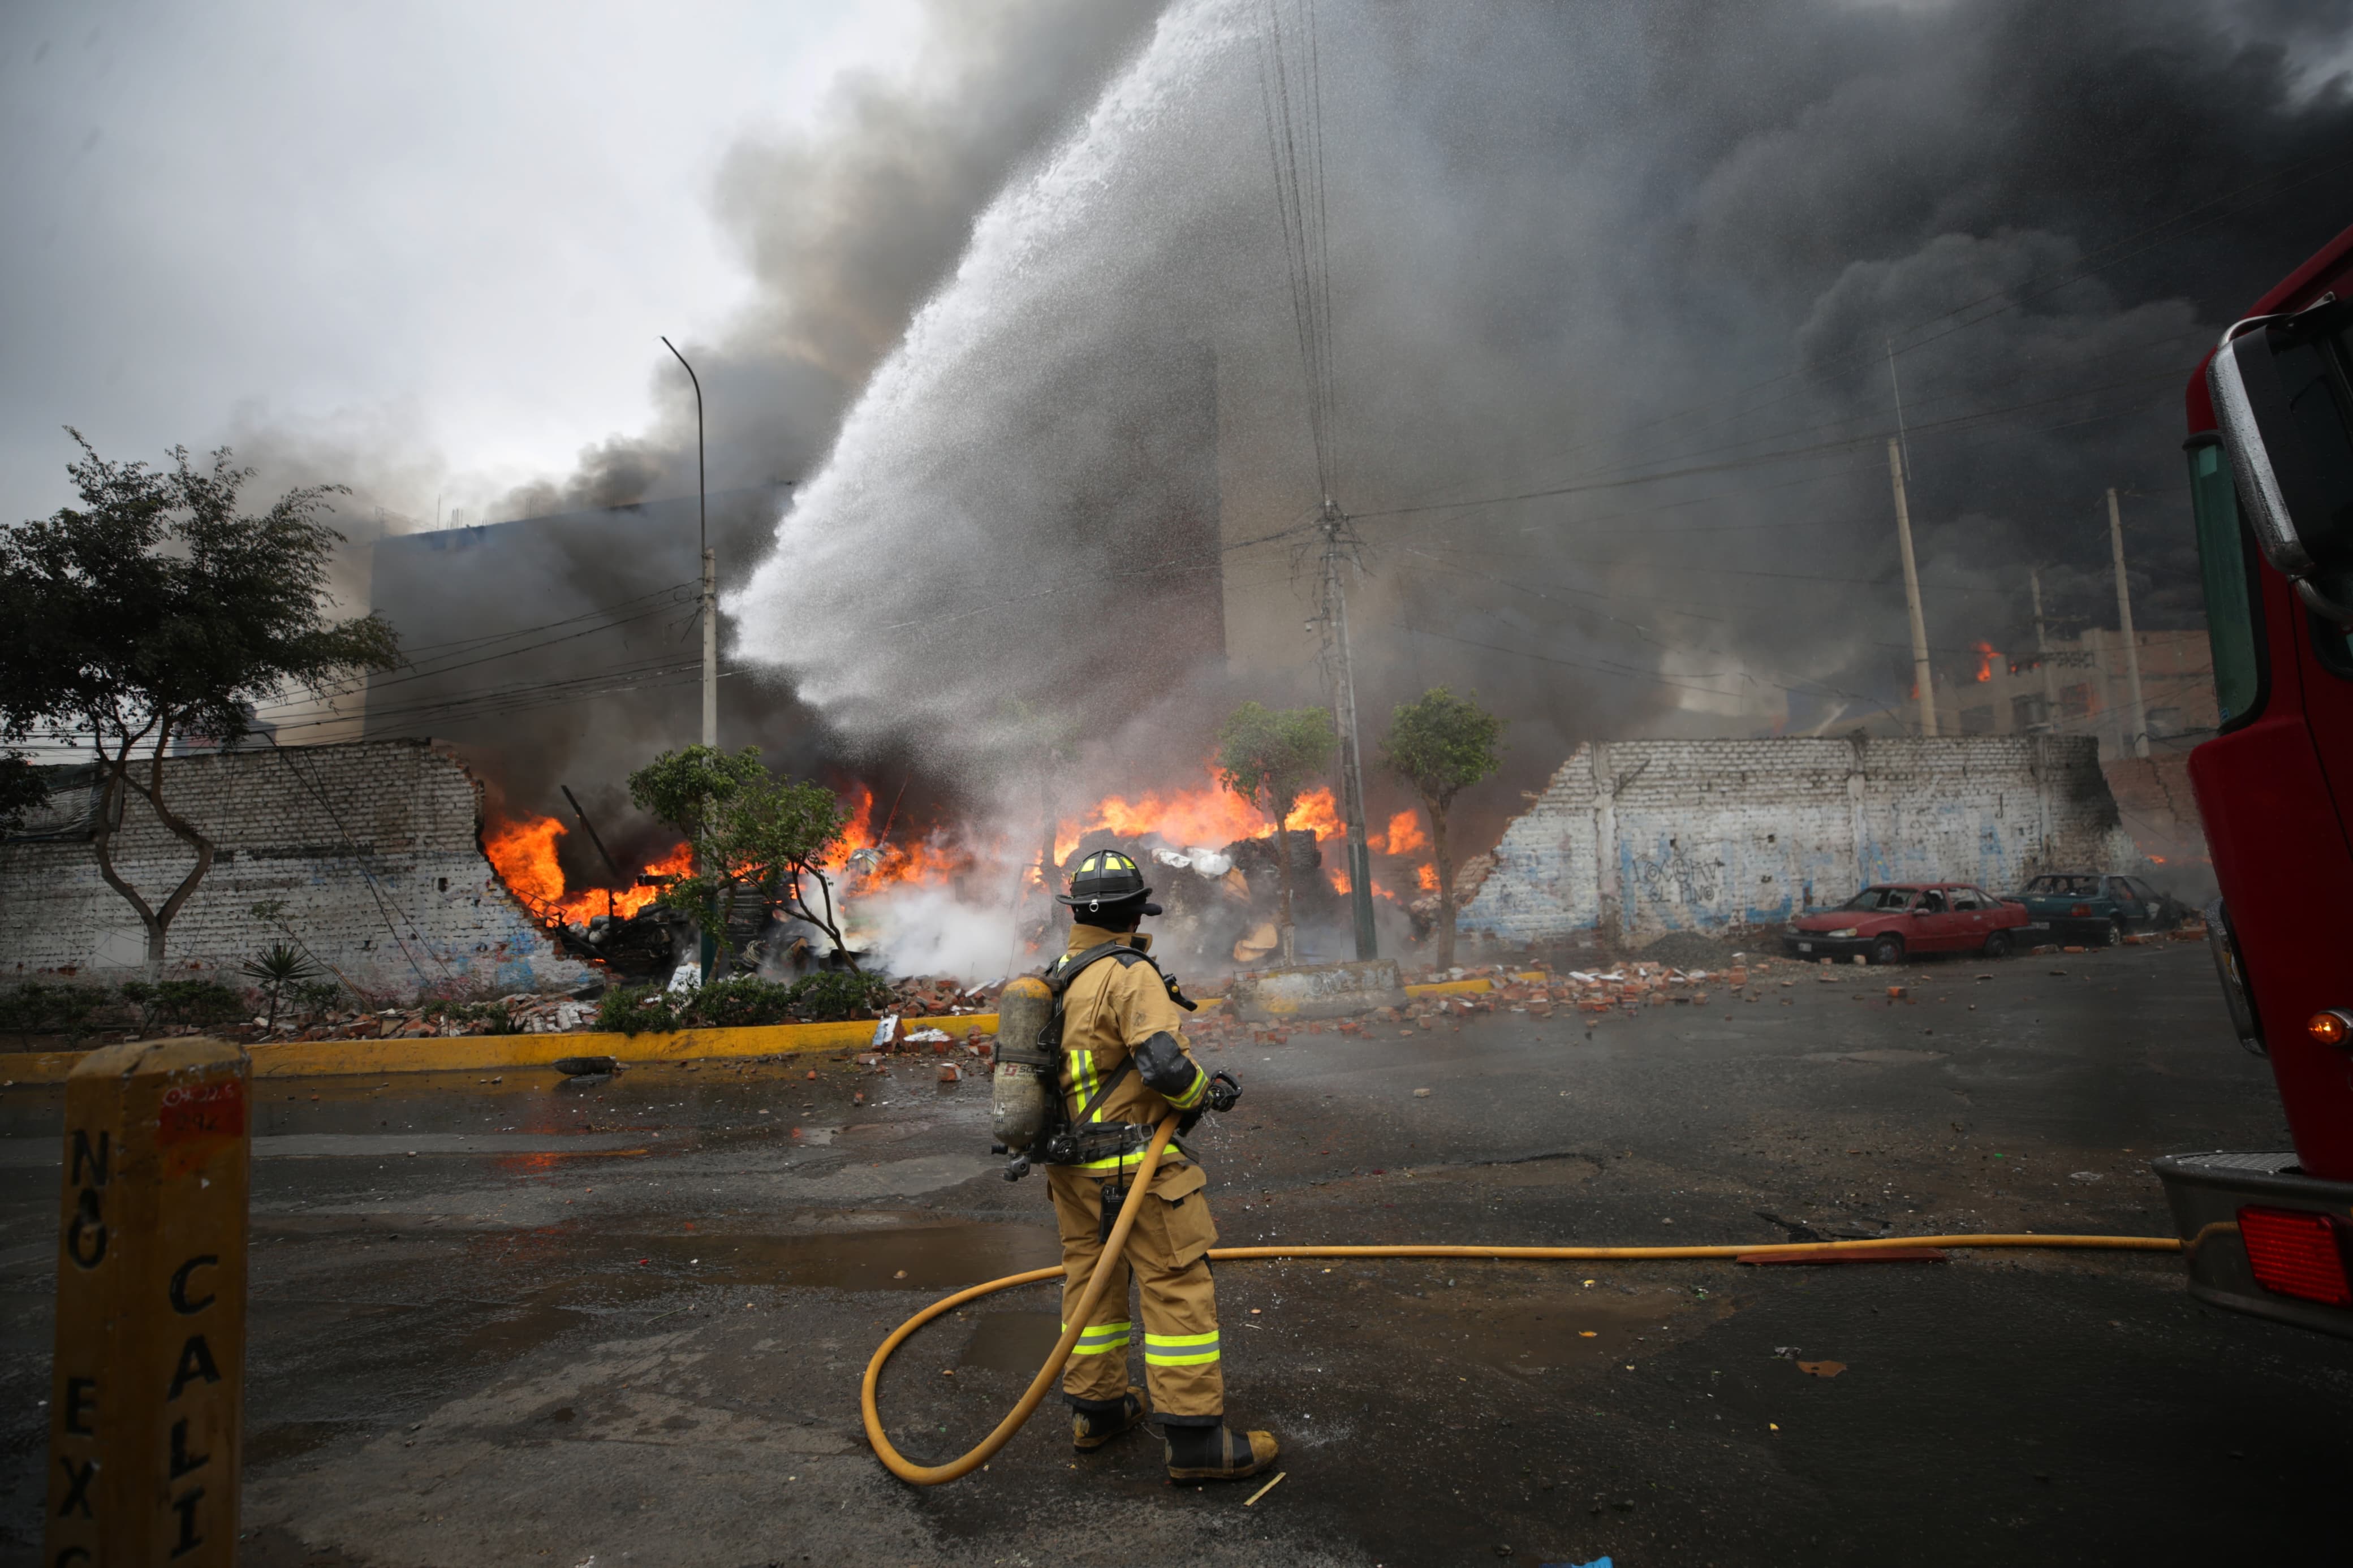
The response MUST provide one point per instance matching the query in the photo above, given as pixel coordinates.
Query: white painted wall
(1641, 838)
(373, 847)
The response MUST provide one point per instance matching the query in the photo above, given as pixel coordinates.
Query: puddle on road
(1011, 1342)
(292, 1439)
(1875, 1058)
(909, 1257)
(1544, 1170)
(1531, 1335)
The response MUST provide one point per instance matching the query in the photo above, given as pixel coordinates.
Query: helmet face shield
(1108, 882)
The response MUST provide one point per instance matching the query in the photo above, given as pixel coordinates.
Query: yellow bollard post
(147, 1387)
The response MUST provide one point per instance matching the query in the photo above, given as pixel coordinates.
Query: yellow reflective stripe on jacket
(1101, 1336)
(1133, 1157)
(1082, 1083)
(1180, 1350)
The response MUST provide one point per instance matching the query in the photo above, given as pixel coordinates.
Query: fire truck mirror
(2283, 392)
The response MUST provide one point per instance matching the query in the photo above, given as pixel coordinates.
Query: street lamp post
(710, 567)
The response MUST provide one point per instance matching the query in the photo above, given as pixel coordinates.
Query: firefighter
(1125, 1067)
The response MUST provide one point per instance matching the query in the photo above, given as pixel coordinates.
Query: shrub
(637, 1010)
(33, 1009)
(200, 1004)
(742, 1001)
(319, 996)
(840, 993)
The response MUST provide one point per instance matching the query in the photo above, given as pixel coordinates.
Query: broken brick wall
(373, 848)
(1636, 838)
(2154, 798)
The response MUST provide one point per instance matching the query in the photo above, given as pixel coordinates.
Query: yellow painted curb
(1449, 988)
(481, 1053)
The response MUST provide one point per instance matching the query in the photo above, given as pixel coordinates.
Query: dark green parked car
(2094, 910)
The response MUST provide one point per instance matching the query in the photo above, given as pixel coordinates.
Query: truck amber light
(2330, 1027)
(2296, 1253)
(2080, 911)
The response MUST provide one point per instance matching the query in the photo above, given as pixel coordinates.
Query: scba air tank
(1025, 1073)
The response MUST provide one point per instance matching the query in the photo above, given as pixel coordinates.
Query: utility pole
(2136, 720)
(710, 567)
(1339, 673)
(2042, 654)
(1920, 676)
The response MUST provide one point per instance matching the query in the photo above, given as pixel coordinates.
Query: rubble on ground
(1537, 992)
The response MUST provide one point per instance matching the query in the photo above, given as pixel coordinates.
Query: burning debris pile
(943, 902)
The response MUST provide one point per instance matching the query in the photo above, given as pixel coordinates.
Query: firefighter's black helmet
(1108, 881)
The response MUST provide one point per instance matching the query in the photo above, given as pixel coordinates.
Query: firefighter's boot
(1094, 1422)
(1216, 1453)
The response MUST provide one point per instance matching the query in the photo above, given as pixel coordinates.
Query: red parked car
(1888, 920)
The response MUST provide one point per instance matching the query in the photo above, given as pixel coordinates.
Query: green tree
(155, 611)
(1442, 744)
(21, 791)
(748, 830)
(1266, 757)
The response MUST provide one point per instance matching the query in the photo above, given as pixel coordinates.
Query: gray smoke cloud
(1025, 334)
(844, 228)
(1641, 269)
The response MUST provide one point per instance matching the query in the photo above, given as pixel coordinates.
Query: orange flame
(930, 861)
(1339, 880)
(1211, 816)
(523, 855)
(1426, 875)
(1405, 835)
(1986, 656)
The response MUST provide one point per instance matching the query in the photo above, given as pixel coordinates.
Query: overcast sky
(459, 226)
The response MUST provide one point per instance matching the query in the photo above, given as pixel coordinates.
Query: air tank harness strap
(1067, 968)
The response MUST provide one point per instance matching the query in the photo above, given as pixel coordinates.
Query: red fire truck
(2270, 476)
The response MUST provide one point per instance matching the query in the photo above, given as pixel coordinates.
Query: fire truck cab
(2270, 475)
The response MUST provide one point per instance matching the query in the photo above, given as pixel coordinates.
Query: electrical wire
(2088, 266)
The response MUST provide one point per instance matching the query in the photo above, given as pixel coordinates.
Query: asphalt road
(627, 1323)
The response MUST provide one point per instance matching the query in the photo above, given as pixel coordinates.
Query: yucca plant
(277, 969)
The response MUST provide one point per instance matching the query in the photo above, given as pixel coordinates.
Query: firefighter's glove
(1218, 1092)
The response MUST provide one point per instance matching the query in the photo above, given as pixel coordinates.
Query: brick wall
(2160, 811)
(1641, 838)
(372, 847)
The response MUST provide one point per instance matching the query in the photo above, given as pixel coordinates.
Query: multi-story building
(2082, 687)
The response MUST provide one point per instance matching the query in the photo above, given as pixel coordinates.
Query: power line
(1817, 448)
(1905, 336)
(1301, 206)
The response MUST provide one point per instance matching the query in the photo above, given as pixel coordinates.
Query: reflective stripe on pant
(1183, 1367)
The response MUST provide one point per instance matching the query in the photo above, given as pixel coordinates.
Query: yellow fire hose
(932, 1475)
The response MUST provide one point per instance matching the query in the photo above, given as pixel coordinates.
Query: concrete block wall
(373, 847)
(1636, 838)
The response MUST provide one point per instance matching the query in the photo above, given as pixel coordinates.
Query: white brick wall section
(1641, 838)
(373, 849)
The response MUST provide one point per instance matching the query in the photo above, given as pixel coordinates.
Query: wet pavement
(527, 1320)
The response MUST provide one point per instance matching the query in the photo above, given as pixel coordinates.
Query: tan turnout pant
(1165, 1256)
